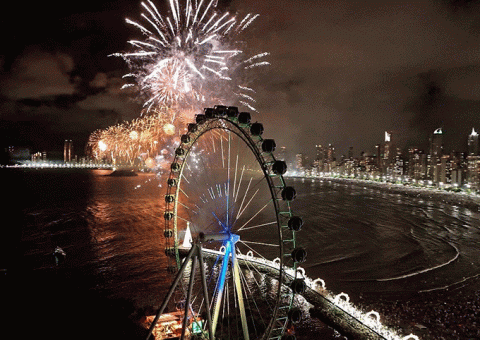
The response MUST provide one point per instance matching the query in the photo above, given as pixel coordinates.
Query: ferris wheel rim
(252, 139)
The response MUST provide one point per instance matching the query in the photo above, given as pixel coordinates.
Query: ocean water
(414, 259)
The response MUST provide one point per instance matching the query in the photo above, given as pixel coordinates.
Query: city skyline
(388, 162)
(470, 147)
(329, 79)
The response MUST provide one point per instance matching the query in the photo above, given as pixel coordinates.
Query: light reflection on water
(359, 240)
(373, 240)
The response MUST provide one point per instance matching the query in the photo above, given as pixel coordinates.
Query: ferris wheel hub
(225, 237)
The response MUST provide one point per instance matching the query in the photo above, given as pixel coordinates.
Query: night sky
(341, 72)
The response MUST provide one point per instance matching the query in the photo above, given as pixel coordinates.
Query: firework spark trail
(186, 60)
(190, 57)
(139, 141)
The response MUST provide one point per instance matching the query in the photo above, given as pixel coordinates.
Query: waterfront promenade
(461, 196)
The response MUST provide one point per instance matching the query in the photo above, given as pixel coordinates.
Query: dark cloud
(342, 72)
(356, 69)
(38, 74)
(43, 125)
(45, 104)
(462, 5)
(430, 99)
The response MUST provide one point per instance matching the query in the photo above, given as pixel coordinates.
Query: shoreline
(454, 198)
(448, 313)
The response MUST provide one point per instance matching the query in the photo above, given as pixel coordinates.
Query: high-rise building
(473, 171)
(386, 153)
(320, 152)
(473, 143)
(378, 155)
(300, 161)
(388, 136)
(436, 152)
(319, 158)
(67, 151)
(330, 153)
(473, 159)
(417, 164)
(350, 153)
(436, 144)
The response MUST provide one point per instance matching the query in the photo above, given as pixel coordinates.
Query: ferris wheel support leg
(238, 287)
(205, 292)
(221, 285)
(189, 295)
(171, 291)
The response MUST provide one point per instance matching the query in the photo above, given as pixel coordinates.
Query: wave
(334, 260)
(450, 285)
(457, 254)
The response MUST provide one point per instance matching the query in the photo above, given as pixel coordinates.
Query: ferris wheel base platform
(323, 309)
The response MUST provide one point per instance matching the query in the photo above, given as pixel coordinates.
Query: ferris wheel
(228, 206)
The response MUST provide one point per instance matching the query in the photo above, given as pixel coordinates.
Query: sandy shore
(440, 315)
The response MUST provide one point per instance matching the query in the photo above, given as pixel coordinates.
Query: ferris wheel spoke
(246, 206)
(258, 212)
(246, 191)
(223, 158)
(183, 192)
(184, 219)
(253, 301)
(235, 177)
(253, 269)
(258, 183)
(239, 183)
(184, 205)
(227, 187)
(185, 178)
(261, 243)
(254, 251)
(258, 226)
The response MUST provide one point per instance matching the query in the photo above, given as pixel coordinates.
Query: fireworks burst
(143, 141)
(190, 58)
(187, 60)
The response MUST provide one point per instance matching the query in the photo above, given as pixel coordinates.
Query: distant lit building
(473, 143)
(282, 154)
(398, 168)
(330, 153)
(459, 167)
(444, 170)
(417, 164)
(387, 154)
(299, 161)
(39, 157)
(457, 177)
(320, 153)
(68, 151)
(435, 155)
(473, 171)
(436, 143)
(350, 153)
(473, 160)
(320, 157)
